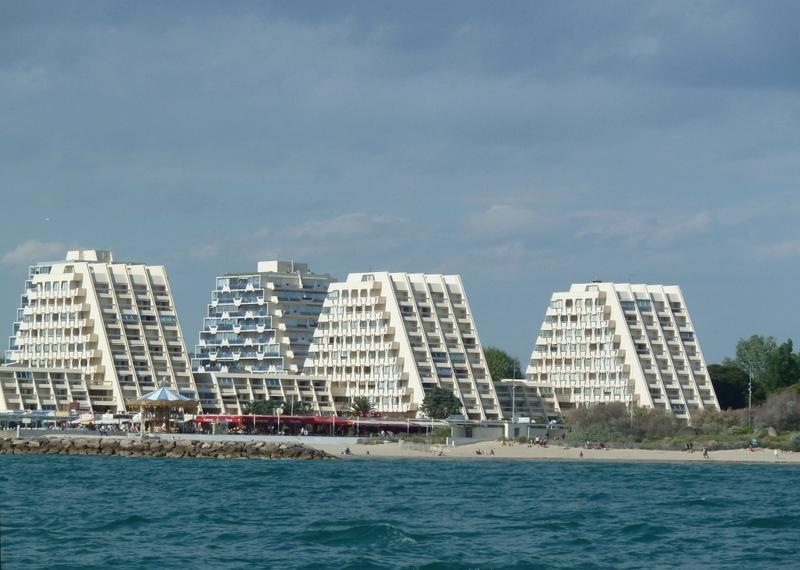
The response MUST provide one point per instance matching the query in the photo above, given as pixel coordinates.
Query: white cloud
(197, 252)
(24, 80)
(356, 224)
(641, 228)
(358, 231)
(503, 219)
(33, 251)
(780, 250)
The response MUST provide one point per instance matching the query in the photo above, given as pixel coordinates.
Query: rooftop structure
(101, 333)
(617, 342)
(392, 336)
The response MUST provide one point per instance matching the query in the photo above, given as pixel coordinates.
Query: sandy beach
(523, 452)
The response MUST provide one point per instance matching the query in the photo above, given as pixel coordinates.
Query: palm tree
(362, 406)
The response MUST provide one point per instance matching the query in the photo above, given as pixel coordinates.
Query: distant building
(255, 338)
(392, 336)
(612, 342)
(93, 333)
(261, 322)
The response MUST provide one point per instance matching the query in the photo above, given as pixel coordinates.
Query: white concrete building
(255, 338)
(391, 336)
(103, 331)
(229, 393)
(612, 342)
(261, 322)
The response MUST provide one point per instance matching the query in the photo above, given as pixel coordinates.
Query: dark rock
(159, 448)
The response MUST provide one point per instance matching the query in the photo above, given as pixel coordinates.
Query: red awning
(305, 420)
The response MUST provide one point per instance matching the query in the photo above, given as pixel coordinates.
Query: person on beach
(777, 455)
(705, 453)
(581, 455)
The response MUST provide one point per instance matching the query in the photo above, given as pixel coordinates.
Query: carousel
(158, 406)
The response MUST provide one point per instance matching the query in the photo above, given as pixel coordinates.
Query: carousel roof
(163, 398)
(163, 395)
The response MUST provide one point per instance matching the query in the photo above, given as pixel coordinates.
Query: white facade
(107, 331)
(261, 322)
(229, 393)
(611, 342)
(255, 338)
(391, 336)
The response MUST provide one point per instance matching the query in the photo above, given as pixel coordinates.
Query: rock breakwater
(129, 447)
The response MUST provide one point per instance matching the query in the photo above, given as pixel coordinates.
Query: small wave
(707, 502)
(358, 535)
(785, 521)
(643, 532)
(122, 523)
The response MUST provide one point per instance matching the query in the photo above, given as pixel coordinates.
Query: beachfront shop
(40, 419)
(310, 425)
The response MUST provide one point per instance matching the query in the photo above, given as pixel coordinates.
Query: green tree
(782, 369)
(362, 406)
(269, 407)
(753, 354)
(296, 407)
(730, 385)
(797, 360)
(262, 407)
(501, 364)
(439, 403)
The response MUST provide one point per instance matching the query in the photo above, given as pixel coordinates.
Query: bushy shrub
(614, 422)
(789, 444)
(715, 422)
(649, 424)
(781, 410)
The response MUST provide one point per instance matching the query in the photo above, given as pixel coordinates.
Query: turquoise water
(115, 512)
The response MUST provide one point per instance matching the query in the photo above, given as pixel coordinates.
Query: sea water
(116, 512)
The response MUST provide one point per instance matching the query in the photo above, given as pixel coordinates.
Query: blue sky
(525, 146)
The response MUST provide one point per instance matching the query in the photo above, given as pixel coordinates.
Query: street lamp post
(749, 399)
(513, 391)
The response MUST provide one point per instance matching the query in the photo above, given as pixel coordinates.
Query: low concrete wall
(478, 433)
